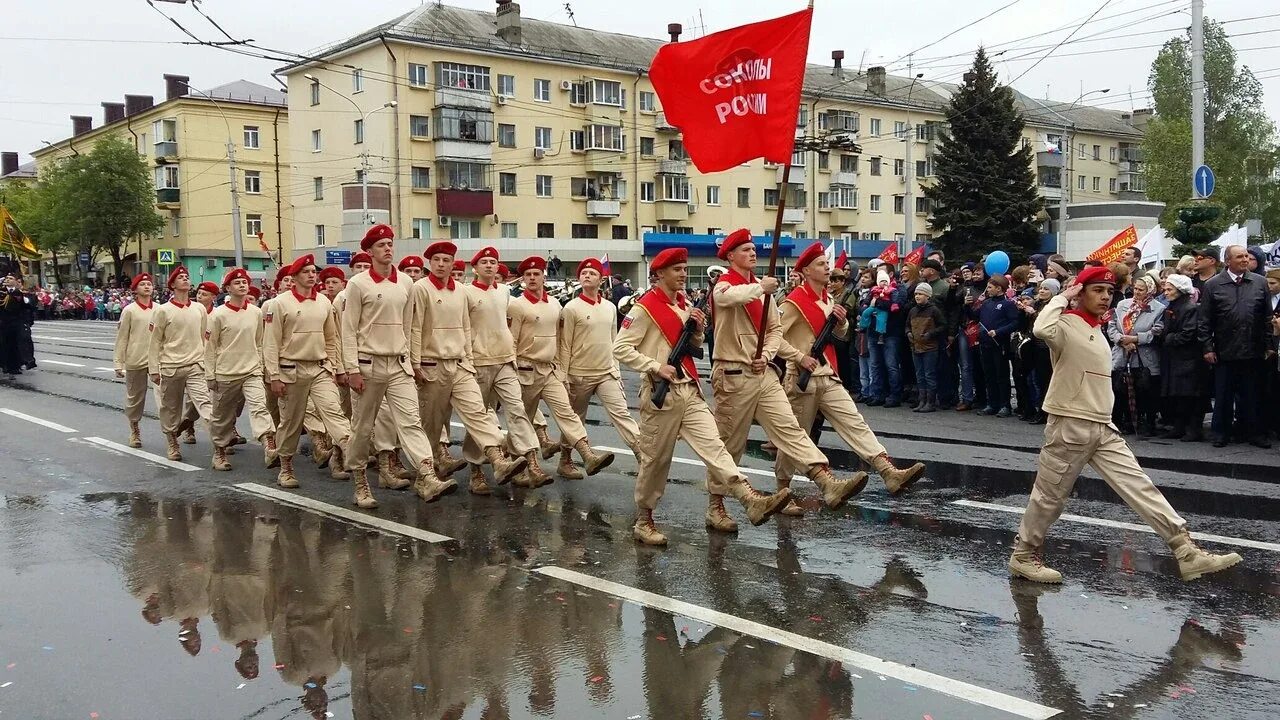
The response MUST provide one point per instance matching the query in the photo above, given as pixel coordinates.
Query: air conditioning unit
(539, 153)
(211, 262)
(502, 99)
(444, 221)
(566, 85)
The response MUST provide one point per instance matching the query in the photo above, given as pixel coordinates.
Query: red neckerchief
(482, 286)
(534, 298)
(658, 305)
(229, 304)
(755, 308)
(140, 304)
(373, 275)
(806, 300)
(441, 285)
(177, 304)
(294, 290)
(588, 300)
(1093, 320)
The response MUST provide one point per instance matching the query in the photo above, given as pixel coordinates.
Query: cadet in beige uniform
(535, 325)
(233, 366)
(648, 334)
(375, 353)
(174, 358)
(1080, 432)
(744, 386)
(133, 338)
(804, 313)
(493, 352)
(440, 350)
(332, 281)
(588, 329)
(300, 353)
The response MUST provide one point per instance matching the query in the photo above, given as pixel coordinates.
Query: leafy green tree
(985, 198)
(109, 198)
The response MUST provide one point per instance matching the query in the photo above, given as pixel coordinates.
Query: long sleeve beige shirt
(736, 334)
(441, 327)
(1081, 357)
(641, 344)
(177, 336)
(587, 332)
(133, 337)
(491, 339)
(300, 328)
(535, 327)
(797, 332)
(376, 318)
(232, 342)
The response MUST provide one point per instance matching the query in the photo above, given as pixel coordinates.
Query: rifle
(679, 351)
(820, 343)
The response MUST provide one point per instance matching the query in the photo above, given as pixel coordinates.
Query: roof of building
(445, 25)
(25, 171)
(245, 91)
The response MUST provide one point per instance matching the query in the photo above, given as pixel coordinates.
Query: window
(359, 131)
(1111, 184)
(421, 227)
(315, 93)
(875, 127)
(506, 183)
(845, 198)
(922, 168)
(1097, 152)
(899, 129)
(922, 205)
(166, 131)
(506, 135)
(875, 166)
(1080, 152)
(898, 202)
(252, 225)
(546, 230)
(584, 231)
(619, 232)
(463, 77)
(175, 225)
(462, 175)
(578, 94)
(875, 203)
(464, 229)
(252, 182)
(713, 194)
(676, 151)
(871, 236)
(542, 138)
(849, 163)
(605, 137)
(251, 137)
(925, 132)
(899, 168)
(167, 177)
(578, 187)
(798, 158)
(648, 101)
(319, 188)
(419, 126)
(319, 236)
(802, 117)
(507, 85)
(771, 197)
(646, 146)
(463, 124)
(824, 161)
(542, 90)
(1097, 183)
(646, 192)
(1080, 182)
(578, 140)
(417, 75)
(606, 92)
(840, 121)
(509, 230)
(744, 197)
(1113, 153)
(675, 187)
(357, 80)
(542, 185)
(421, 178)
(316, 145)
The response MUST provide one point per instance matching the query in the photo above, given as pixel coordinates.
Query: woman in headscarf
(1134, 331)
(1184, 386)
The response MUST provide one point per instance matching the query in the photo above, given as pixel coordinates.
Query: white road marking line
(342, 513)
(913, 676)
(149, 457)
(59, 362)
(73, 340)
(102, 369)
(37, 421)
(1102, 522)
(699, 463)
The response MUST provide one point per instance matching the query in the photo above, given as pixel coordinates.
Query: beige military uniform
(133, 338)
(384, 427)
(232, 359)
(175, 353)
(588, 330)
(643, 346)
(301, 351)
(493, 352)
(535, 325)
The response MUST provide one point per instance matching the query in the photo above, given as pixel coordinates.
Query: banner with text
(1115, 247)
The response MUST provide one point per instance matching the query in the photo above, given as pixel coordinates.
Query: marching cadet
(234, 371)
(359, 262)
(1080, 432)
(130, 356)
(459, 272)
(535, 325)
(375, 354)
(174, 356)
(206, 293)
(332, 281)
(300, 352)
(282, 284)
(440, 350)
(413, 266)
(493, 352)
(588, 329)
(650, 331)
(255, 296)
(804, 313)
(744, 386)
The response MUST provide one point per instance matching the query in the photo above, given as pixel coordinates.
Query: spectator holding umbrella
(1184, 379)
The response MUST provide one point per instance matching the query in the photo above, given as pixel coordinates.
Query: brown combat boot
(548, 446)
(220, 462)
(321, 449)
(895, 479)
(1194, 562)
(286, 478)
(171, 441)
(718, 518)
(387, 477)
(1025, 562)
(644, 531)
(504, 470)
(270, 451)
(479, 484)
(567, 469)
(592, 461)
(398, 469)
(835, 492)
(446, 464)
(239, 439)
(189, 437)
(533, 469)
(430, 488)
(759, 507)
(135, 435)
(338, 461)
(364, 496)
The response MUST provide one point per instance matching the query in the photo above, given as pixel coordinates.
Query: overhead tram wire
(957, 30)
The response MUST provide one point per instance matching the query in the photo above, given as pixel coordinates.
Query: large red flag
(890, 254)
(735, 94)
(915, 257)
(1112, 249)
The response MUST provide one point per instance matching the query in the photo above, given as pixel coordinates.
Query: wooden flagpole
(773, 252)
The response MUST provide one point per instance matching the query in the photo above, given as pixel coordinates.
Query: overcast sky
(63, 57)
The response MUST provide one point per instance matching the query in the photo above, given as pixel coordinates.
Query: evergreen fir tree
(985, 198)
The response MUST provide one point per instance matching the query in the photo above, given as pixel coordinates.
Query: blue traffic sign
(337, 257)
(1203, 181)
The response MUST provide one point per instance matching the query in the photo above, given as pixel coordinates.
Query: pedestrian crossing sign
(164, 257)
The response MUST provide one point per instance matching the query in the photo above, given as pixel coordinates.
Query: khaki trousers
(310, 422)
(742, 396)
(498, 383)
(1069, 445)
(612, 398)
(449, 386)
(387, 409)
(135, 394)
(226, 402)
(684, 414)
(175, 383)
(308, 381)
(826, 393)
(540, 382)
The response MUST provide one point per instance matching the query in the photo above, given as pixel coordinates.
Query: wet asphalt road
(134, 589)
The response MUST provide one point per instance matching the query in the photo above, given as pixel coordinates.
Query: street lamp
(1067, 193)
(364, 156)
(237, 238)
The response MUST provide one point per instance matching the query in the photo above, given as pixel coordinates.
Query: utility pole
(364, 188)
(1197, 90)
(908, 175)
(235, 203)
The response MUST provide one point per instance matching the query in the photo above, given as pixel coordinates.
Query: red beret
(209, 287)
(443, 247)
(736, 238)
(489, 252)
(376, 233)
(504, 272)
(233, 274)
(332, 271)
(533, 262)
(301, 263)
(811, 253)
(255, 291)
(360, 257)
(591, 263)
(141, 277)
(669, 257)
(1096, 275)
(459, 265)
(411, 261)
(173, 275)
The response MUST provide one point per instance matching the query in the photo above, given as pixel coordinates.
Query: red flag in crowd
(1115, 247)
(843, 260)
(915, 257)
(735, 94)
(890, 254)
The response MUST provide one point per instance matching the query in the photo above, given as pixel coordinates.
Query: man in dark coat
(1234, 331)
(1184, 382)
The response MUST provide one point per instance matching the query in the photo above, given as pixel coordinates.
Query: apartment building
(492, 128)
(184, 139)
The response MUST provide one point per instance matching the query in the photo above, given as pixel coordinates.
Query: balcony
(1124, 166)
(843, 217)
(793, 216)
(604, 161)
(464, 98)
(466, 150)
(169, 198)
(1045, 158)
(1050, 193)
(672, 210)
(797, 177)
(672, 167)
(661, 124)
(167, 151)
(464, 203)
(846, 179)
(604, 208)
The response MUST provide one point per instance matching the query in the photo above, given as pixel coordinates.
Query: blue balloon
(997, 263)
